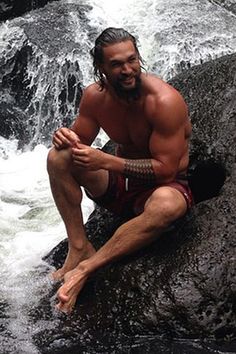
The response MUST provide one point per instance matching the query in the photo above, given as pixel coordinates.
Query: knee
(58, 160)
(164, 206)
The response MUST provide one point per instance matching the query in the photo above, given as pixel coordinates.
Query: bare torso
(131, 125)
(126, 125)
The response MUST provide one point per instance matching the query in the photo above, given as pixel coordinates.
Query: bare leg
(163, 207)
(68, 196)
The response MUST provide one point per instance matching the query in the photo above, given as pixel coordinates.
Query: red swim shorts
(128, 195)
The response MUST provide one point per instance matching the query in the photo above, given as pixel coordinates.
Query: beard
(129, 95)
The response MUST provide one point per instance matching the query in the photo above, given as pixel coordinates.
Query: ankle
(78, 246)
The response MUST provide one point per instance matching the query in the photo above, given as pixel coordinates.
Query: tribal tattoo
(141, 169)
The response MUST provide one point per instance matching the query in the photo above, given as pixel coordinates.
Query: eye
(115, 64)
(132, 59)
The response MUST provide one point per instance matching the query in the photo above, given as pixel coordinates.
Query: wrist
(84, 268)
(110, 162)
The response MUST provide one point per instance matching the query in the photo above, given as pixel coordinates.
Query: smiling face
(122, 69)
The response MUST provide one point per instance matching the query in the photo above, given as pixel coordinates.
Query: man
(148, 119)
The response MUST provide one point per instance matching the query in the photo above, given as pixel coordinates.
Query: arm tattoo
(141, 169)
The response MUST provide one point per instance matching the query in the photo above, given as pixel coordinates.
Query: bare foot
(68, 292)
(74, 257)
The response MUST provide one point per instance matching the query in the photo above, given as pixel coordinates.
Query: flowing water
(172, 36)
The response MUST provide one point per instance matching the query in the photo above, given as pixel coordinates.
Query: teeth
(128, 79)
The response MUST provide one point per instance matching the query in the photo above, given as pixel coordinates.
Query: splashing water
(30, 226)
(172, 33)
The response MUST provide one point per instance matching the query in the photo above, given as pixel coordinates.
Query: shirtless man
(148, 119)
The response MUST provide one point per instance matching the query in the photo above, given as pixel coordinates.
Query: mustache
(126, 76)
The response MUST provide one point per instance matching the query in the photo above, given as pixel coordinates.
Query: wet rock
(229, 5)
(13, 8)
(183, 285)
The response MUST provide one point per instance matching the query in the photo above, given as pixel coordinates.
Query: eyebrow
(119, 61)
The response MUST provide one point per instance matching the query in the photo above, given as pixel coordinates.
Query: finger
(62, 308)
(81, 146)
(65, 137)
(56, 140)
(81, 155)
(66, 306)
(70, 135)
(79, 152)
(61, 139)
(57, 145)
(81, 162)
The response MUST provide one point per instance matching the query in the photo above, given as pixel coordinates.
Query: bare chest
(127, 127)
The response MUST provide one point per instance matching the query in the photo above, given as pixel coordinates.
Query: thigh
(95, 182)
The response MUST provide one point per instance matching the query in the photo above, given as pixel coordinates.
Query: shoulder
(91, 98)
(92, 92)
(160, 93)
(163, 102)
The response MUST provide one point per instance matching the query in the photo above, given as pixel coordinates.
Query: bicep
(86, 128)
(168, 148)
(168, 141)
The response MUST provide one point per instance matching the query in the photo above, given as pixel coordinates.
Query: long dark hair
(109, 36)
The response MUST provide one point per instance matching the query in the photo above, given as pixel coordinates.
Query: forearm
(144, 169)
(147, 170)
(141, 169)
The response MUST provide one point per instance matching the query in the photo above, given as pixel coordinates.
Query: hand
(64, 137)
(87, 157)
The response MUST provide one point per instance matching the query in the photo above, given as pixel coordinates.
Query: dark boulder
(14, 8)
(184, 284)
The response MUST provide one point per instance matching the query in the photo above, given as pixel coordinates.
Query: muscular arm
(84, 129)
(168, 142)
(85, 125)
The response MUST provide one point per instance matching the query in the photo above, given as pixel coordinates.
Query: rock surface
(14, 8)
(184, 284)
(229, 5)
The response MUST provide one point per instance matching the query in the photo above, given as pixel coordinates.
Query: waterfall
(45, 65)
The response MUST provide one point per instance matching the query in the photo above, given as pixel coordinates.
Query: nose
(126, 68)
